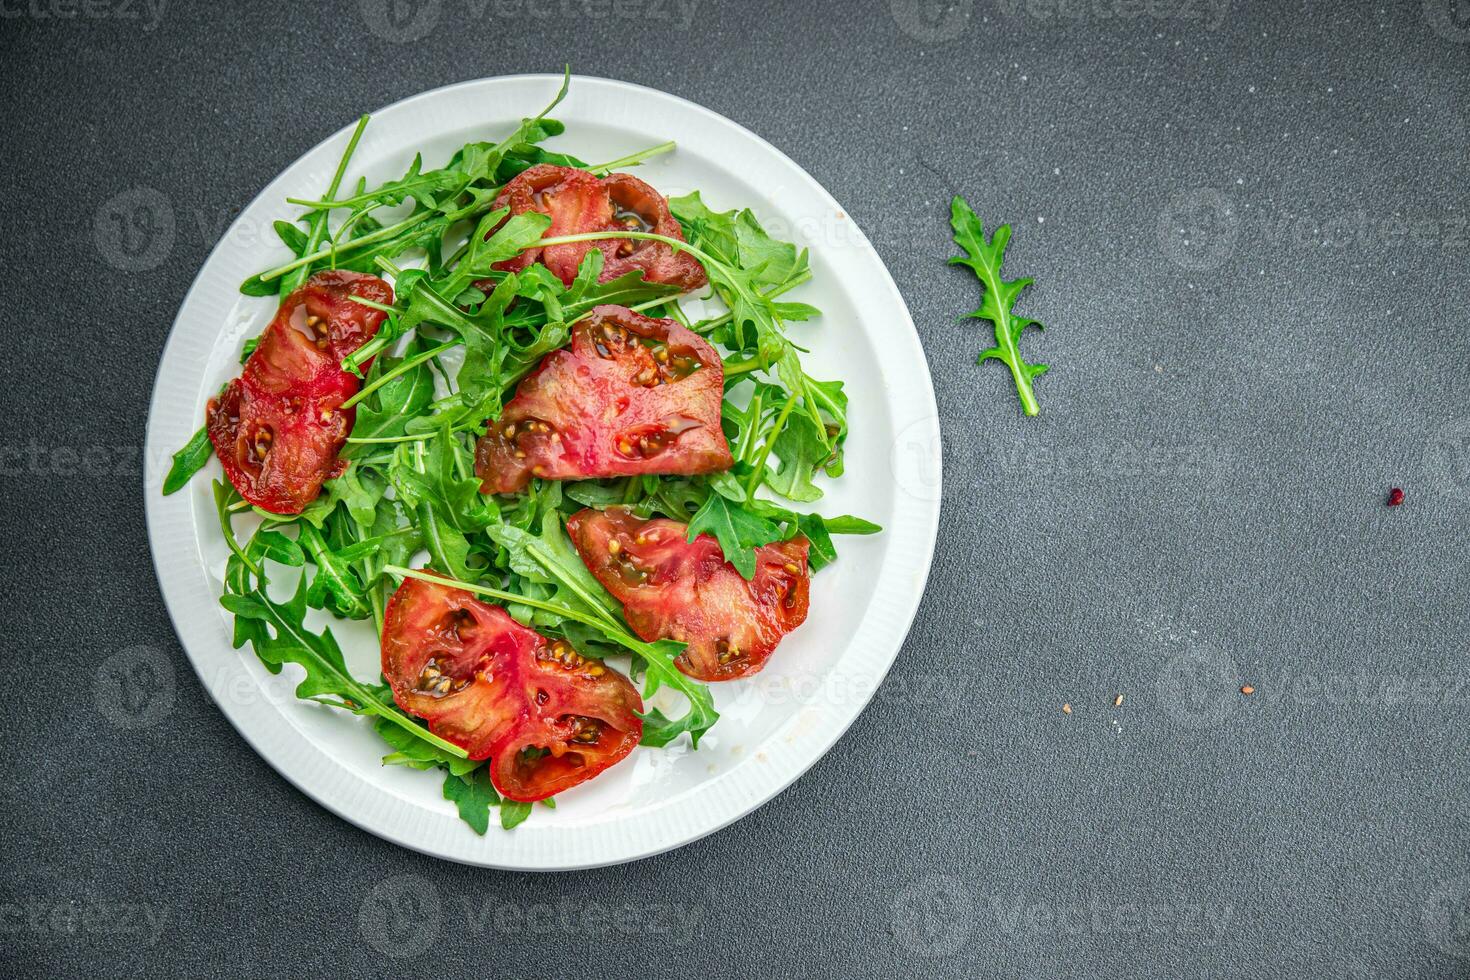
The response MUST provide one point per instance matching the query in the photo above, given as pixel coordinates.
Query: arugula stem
(600, 236)
(222, 502)
(551, 566)
(385, 440)
(372, 238)
(382, 233)
(739, 367)
(401, 369)
(501, 596)
(705, 326)
(748, 441)
(760, 464)
(319, 218)
(633, 159)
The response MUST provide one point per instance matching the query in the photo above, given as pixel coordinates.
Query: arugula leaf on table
(984, 258)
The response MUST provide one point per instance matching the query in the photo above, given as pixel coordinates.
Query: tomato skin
(608, 406)
(578, 202)
(673, 588)
(497, 688)
(277, 428)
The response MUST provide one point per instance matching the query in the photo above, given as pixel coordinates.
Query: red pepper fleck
(1395, 497)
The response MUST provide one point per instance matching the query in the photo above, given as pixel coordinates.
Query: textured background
(1248, 223)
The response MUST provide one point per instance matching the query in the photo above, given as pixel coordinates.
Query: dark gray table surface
(1248, 223)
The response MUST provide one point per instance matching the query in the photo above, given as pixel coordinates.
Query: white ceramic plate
(772, 727)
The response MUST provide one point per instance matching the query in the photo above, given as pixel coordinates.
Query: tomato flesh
(674, 588)
(631, 395)
(578, 202)
(547, 717)
(277, 428)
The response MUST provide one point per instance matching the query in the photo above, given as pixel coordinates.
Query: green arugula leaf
(415, 753)
(188, 461)
(327, 680)
(474, 795)
(738, 531)
(984, 258)
(513, 813)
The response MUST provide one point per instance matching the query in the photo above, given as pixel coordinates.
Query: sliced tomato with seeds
(578, 202)
(546, 716)
(639, 207)
(631, 395)
(677, 589)
(277, 428)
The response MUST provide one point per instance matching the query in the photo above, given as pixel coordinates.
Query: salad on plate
(544, 428)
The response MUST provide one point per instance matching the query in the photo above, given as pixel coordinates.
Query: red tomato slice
(673, 588)
(547, 717)
(278, 427)
(641, 208)
(631, 395)
(577, 202)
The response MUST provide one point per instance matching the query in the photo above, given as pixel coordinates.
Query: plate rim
(924, 429)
